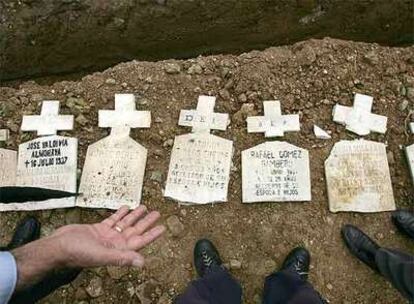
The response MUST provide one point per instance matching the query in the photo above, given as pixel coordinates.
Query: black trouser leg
(285, 287)
(398, 268)
(217, 287)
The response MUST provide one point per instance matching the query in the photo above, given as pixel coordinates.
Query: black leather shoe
(360, 245)
(404, 220)
(298, 261)
(206, 257)
(26, 231)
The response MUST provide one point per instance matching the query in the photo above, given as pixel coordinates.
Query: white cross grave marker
(359, 119)
(200, 162)
(275, 171)
(8, 162)
(273, 123)
(114, 168)
(49, 121)
(49, 161)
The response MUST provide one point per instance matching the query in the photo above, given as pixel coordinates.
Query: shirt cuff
(8, 276)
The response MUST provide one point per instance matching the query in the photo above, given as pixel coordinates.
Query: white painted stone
(320, 133)
(113, 173)
(49, 121)
(4, 135)
(199, 169)
(204, 119)
(359, 119)
(8, 162)
(47, 162)
(410, 156)
(412, 127)
(273, 123)
(114, 168)
(358, 177)
(275, 172)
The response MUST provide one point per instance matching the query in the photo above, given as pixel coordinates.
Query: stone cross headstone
(410, 156)
(273, 123)
(114, 168)
(358, 177)
(200, 162)
(359, 119)
(8, 162)
(275, 171)
(49, 161)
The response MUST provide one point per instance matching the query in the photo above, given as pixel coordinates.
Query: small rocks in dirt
(156, 176)
(175, 226)
(329, 286)
(117, 273)
(168, 143)
(403, 105)
(195, 69)
(235, 264)
(110, 81)
(246, 110)
(81, 119)
(172, 68)
(95, 289)
(372, 58)
(73, 216)
(391, 159)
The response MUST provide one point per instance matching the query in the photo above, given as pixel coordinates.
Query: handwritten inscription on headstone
(358, 177)
(113, 173)
(199, 169)
(275, 172)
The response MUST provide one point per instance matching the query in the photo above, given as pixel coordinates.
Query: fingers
(117, 216)
(132, 217)
(137, 242)
(116, 257)
(142, 225)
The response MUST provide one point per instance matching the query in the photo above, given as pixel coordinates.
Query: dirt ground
(308, 78)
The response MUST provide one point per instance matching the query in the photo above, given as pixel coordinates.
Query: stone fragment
(358, 177)
(4, 135)
(320, 133)
(412, 127)
(175, 226)
(195, 69)
(235, 264)
(95, 289)
(116, 272)
(172, 68)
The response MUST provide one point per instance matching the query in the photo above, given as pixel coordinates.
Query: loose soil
(309, 78)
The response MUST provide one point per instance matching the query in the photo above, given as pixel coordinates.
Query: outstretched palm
(114, 241)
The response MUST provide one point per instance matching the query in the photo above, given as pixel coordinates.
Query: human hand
(114, 241)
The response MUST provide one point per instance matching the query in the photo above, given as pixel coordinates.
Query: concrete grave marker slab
(410, 156)
(8, 162)
(273, 123)
(49, 161)
(200, 162)
(358, 177)
(114, 168)
(359, 119)
(275, 172)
